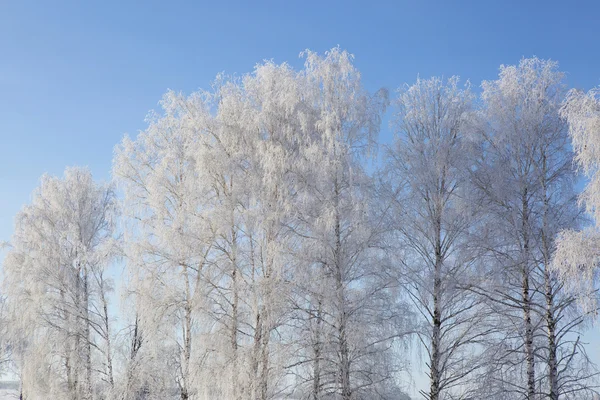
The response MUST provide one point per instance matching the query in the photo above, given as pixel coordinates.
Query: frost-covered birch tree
(276, 128)
(525, 178)
(344, 294)
(228, 153)
(577, 257)
(54, 277)
(433, 218)
(168, 237)
(250, 153)
(264, 259)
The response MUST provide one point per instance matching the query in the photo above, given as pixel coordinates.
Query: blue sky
(76, 76)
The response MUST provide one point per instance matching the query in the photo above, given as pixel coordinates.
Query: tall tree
(168, 237)
(525, 178)
(427, 170)
(62, 242)
(577, 257)
(345, 300)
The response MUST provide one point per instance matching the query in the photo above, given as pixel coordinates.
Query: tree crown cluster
(273, 249)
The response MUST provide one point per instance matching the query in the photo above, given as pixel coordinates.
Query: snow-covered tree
(264, 259)
(524, 176)
(57, 289)
(427, 172)
(168, 237)
(346, 310)
(577, 257)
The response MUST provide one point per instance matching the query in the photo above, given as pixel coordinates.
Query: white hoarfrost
(265, 252)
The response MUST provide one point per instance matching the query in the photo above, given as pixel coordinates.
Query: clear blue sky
(76, 76)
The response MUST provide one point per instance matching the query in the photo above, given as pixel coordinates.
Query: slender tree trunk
(549, 293)
(344, 351)
(257, 348)
(70, 385)
(267, 324)
(264, 375)
(257, 330)
(136, 344)
(71, 381)
(434, 392)
(234, 311)
(434, 363)
(71, 388)
(526, 298)
(529, 351)
(316, 389)
(551, 332)
(87, 339)
(109, 364)
(256, 353)
(187, 338)
(78, 393)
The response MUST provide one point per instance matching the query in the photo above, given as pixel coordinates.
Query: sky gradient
(76, 76)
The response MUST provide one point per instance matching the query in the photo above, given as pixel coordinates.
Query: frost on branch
(576, 259)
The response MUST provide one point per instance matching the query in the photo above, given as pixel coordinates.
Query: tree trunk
(264, 375)
(434, 392)
(71, 380)
(256, 352)
(434, 362)
(234, 311)
(87, 339)
(109, 364)
(344, 351)
(187, 338)
(529, 350)
(136, 344)
(78, 393)
(549, 292)
(551, 332)
(316, 389)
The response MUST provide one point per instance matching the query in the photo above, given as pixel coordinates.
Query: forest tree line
(268, 246)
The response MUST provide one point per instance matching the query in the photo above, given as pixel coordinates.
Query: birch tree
(427, 170)
(228, 151)
(274, 99)
(576, 259)
(525, 177)
(62, 241)
(168, 238)
(346, 323)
